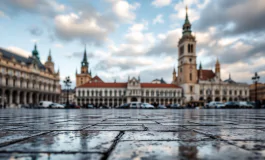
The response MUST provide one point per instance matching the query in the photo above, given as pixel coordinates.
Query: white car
(135, 105)
(216, 105)
(56, 105)
(45, 104)
(220, 105)
(147, 106)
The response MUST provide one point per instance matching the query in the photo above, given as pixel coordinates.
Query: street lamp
(67, 82)
(256, 80)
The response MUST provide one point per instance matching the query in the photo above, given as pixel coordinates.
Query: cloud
(161, 3)
(168, 45)
(158, 19)
(58, 45)
(42, 7)
(19, 51)
(124, 10)
(35, 31)
(233, 18)
(89, 28)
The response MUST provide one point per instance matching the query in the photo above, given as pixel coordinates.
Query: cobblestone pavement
(49, 134)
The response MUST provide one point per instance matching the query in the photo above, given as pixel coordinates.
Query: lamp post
(256, 80)
(67, 83)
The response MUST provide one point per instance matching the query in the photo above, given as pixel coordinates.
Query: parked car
(56, 105)
(231, 105)
(214, 104)
(45, 104)
(243, 104)
(147, 106)
(90, 106)
(104, 107)
(220, 105)
(125, 105)
(135, 105)
(161, 106)
(174, 106)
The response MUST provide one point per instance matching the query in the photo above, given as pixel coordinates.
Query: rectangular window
(191, 89)
(190, 76)
(191, 48)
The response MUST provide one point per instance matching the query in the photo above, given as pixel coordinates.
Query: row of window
(14, 83)
(225, 92)
(130, 92)
(12, 72)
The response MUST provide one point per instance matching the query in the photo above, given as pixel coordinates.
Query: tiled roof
(206, 74)
(8, 55)
(124, 85)
(103, 85)
(160, 85)
(96, 79)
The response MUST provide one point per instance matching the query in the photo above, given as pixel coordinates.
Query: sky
(137, 38)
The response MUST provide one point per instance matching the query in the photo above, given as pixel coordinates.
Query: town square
(124, 79)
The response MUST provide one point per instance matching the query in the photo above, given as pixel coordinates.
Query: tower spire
(50, 56)
(35, 52)
(186, 26)
(200, 67)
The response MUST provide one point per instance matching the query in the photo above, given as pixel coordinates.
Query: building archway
(209, 99)
(224, 99)
(133, 99)
(217, 99)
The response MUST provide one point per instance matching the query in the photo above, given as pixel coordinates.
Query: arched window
(190, 76)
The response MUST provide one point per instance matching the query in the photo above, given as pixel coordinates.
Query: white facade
(114, 94)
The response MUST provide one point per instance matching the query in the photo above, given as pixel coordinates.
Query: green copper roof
(84, 62)
(35, 52)
(186, 25)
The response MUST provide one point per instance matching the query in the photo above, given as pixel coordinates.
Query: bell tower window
(190, 76)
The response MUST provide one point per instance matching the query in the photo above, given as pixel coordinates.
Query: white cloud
(19, 51)
(88, 29)
(58, 45)
(158, 19)
(161, 3)
(124, 10)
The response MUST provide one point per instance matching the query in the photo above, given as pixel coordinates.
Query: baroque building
(25, 80)
(98, 92)
(201, 85)
(84, 75)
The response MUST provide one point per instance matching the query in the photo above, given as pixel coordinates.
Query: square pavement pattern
(81, 134)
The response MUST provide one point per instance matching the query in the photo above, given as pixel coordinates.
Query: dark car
(231, 105)
(175, 106)
(161, 107)
(126, 105)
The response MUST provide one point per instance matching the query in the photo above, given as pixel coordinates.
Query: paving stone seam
(22, 139)
(112, 147)
(52, 152)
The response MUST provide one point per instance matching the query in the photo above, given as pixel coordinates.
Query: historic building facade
(98, 92)
(85, 75)
(70, 94)
(26, 80)
(260, 92)
(201, 84)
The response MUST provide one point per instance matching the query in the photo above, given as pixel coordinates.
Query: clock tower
(85, 75)
(187, 70)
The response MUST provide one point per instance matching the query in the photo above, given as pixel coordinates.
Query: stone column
(18, 97)
(25, 98)
(10, 97)
(3, 97)
(30, 97)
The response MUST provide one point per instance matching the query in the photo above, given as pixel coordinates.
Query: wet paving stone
(28, 134)
(165, 136)
(116, 128)
(73, 141)
(7, 137)
(156, 150)
(48, 156)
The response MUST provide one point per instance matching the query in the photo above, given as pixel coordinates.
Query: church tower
(35, 53)
(174, 76)
(84, 76)
(217, 69)
(187, 67)
(49, 63)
